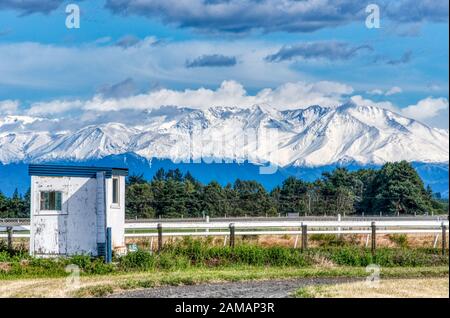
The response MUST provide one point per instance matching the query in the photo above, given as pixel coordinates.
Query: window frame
(115, 180)
(57, 209)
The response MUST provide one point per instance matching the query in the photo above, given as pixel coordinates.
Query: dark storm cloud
(31, 6)
(405, 58)
(417, 10)
(122, 89)
(240, 16)
(212, 60)
(330, 50)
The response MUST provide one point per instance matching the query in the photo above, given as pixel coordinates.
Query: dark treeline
(395, 189)
(17, 206)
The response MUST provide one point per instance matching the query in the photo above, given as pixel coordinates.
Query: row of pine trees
(395, 189)
(17, 206)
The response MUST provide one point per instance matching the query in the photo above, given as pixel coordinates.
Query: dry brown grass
(385, 288)
(56, 287)
(413, 240)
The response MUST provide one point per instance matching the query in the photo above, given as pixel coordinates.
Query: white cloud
(290, 95)
(8, 107)
(426, 108)
(301, 94)
(431, 111)
(66, 70)
(393, 90)
(54, 107)
(229, 93)
(375, 92)
(359, 100)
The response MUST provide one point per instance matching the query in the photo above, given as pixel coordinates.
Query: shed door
(49, 219)
(50, 235)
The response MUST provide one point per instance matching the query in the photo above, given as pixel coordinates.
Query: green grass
(189, 253)
(97, 291)
(306, 292)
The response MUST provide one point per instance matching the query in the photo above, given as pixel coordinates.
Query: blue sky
(136, 53)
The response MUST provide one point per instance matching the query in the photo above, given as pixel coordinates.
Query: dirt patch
(252, 289)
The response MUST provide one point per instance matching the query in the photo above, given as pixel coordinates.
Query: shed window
(115, 190)
(51, 200)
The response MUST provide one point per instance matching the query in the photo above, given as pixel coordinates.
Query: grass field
(196, 261)
(102, 285)
(436, 287)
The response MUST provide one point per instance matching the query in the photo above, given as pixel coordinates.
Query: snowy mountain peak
(313, 136)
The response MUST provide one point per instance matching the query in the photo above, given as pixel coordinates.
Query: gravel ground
(246, 289)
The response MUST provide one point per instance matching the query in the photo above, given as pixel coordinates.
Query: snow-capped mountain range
(314, 136)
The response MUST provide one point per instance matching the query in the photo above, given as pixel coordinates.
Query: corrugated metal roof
(74, 171)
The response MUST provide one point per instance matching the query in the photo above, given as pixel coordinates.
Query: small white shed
(77, 210)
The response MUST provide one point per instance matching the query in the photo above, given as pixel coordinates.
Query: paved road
(248, 289)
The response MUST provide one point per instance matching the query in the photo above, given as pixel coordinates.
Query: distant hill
(16, 175)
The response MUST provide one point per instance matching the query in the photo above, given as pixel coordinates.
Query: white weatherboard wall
(73, 230)
(86, 206)
(115, 213)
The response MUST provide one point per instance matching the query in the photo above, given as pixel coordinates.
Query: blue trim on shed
(74, 171)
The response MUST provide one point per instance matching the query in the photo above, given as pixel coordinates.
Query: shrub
(172, 261)
(4, 256)
(140, 259)
(401, 240)
(348, 256)
(82, 261)
(247, 254)
(198, 254)
(327, 239)
(280, 256)
(90, 265)
(14, 254)
(409, 257)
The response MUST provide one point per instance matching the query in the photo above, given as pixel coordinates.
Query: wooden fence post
(160, 237)
(374, 237)
(304, 237)
(108, 258)
(444, 237)
(9, 230)
(232, 236)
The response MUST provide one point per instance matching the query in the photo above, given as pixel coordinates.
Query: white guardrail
(265, 228)
(288, 227)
